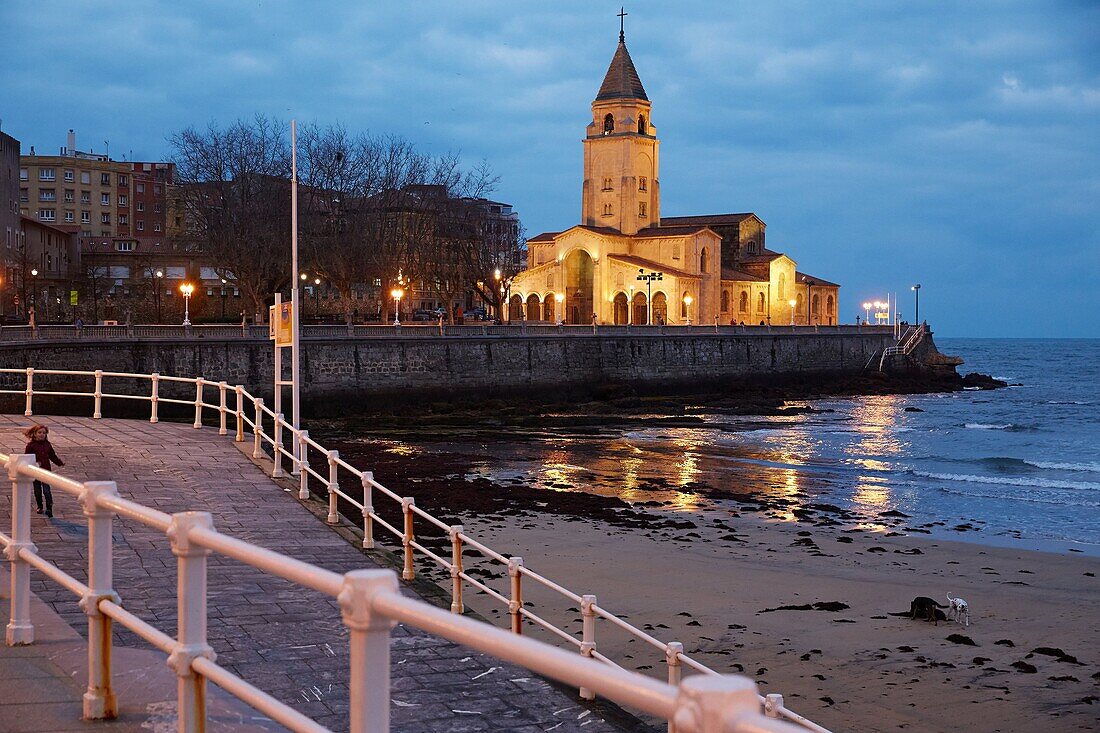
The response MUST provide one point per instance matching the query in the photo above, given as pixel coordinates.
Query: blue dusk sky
(955, 144)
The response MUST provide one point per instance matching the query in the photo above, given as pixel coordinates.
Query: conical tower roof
(621, 81)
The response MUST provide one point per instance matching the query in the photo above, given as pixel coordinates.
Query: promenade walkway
(287, 640)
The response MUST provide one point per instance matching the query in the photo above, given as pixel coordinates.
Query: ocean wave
(1011, 427)
(1029, 498)
(1011, 481)
(1058, 466)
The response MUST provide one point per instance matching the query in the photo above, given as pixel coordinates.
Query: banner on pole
(280, 325)
(73, 297)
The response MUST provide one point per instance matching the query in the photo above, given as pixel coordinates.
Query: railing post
(302, 463)
(198, 402)
(368, 510)
(515, 605)
(191, 624)
(99, 698)
(588, 635)
(773, 705)
(30, 391)
(258, 429)
(239, 412)
(154, 397)
(457, 606)
(97, 412)
(20, 630)
(369, 644)
(719, 704)
(221, 408)
(673, 650)
(277, 447)
(407, 504)
(333, 484)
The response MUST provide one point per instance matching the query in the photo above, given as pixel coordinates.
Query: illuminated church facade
(712, 268)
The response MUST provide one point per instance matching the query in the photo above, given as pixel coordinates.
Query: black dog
(925, 608)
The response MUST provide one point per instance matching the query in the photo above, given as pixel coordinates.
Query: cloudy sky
(884, 143)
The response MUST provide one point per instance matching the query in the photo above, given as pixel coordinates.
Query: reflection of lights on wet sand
(402, 449)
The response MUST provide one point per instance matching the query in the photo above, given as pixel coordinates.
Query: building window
(829, 305)
(86, 217)
(85, 197)
(70, 217)
(782, 290)
(760, 303)
(46, 214)
(608, 124)
(140, 205)
(46, 174)
(743, 303)
(725, 301)
(105, 199)
(642, 184)
(124, 246)
(105, 179)
(607, 184)
(607, 209)
(641, 210)
(85, 177)
(24, 196)
(156, 227)
(105, 219)
(704, 261)
(121, 180)
(676, 251)
(642, 127)
(123, 200)
(69, 175)
(156, 208)
(141, 188)
(70, 195)
(752, 248)
(47, 194)
(23, 175)
(156, 190)
(122, 219)
(141, 226)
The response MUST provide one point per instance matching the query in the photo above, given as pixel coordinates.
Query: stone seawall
(334, 368)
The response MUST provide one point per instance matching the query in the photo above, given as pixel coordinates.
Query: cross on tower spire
(622, 24)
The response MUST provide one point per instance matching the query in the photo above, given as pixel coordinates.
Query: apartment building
(11, 231)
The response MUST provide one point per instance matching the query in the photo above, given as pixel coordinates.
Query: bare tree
(233, 197)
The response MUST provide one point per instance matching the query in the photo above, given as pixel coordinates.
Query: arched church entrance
(533, 307)
(622, 310)
(515, 308)
(579, 271)
(660, 309)
(641, 316)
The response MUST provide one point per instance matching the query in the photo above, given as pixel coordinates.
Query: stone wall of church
(340, 368)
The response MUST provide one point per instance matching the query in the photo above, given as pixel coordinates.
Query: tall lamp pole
(916, 309)
(296, 336)
(187, 289)
(157, 276)
(648, 278)
(397, 293)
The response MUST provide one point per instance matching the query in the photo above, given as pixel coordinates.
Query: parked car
(424, 315)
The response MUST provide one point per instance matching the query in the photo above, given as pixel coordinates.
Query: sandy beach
(1030, 657)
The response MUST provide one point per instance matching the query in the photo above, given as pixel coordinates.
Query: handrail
(371, 603)
(252, 407)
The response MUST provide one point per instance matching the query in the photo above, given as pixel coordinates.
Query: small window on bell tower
(642, 184)
(642, 129)
(608, 124)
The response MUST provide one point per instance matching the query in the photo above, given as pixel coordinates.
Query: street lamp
(187, 289)
(397, 293)
(34, 288)
(224, 282)
(866, 312)
(648, 278)
(560, 298)
(792, 303)
(687, 307)
(317, 297)
(916, 310)
(159, 274)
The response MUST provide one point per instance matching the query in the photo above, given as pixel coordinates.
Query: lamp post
(397, 293)
(687, 308)
(187, 289)
(224, 282)
(866, 312)
(157, 277)
(317, 297)
(648, 278)
(34, 288)
(559, 298)
(916, 309)
(792, 303)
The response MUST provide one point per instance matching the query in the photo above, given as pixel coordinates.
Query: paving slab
(287, 640)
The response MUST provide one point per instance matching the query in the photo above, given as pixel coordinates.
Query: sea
(1016, 467)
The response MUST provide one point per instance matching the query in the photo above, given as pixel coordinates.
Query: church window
(642, 184)
(607, 209)
(798, 303)
(642, 129)
(829, 305)
(641, 210)
(782, 289)
(760, 303)
(725, 301)
(815, 305)
(703, 261)
(743, 306)
(676, 251)
(607, 184)
(608, 124)
(752, 248)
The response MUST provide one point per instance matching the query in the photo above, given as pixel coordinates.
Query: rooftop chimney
(72, 142)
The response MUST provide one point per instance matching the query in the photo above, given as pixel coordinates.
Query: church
(626, 264)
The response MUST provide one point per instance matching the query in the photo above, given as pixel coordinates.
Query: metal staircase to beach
(906, 344)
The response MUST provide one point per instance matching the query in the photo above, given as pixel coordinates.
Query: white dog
(960, 610)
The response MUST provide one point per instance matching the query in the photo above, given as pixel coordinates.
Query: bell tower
(621, 189)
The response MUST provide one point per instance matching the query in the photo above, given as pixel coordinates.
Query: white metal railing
(908, 341)
(271, 432)
(370, 603)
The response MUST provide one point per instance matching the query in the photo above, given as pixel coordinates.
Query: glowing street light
(397, 294)
(866, 312)
(687, 307)
(187, 289)
(792, 303)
